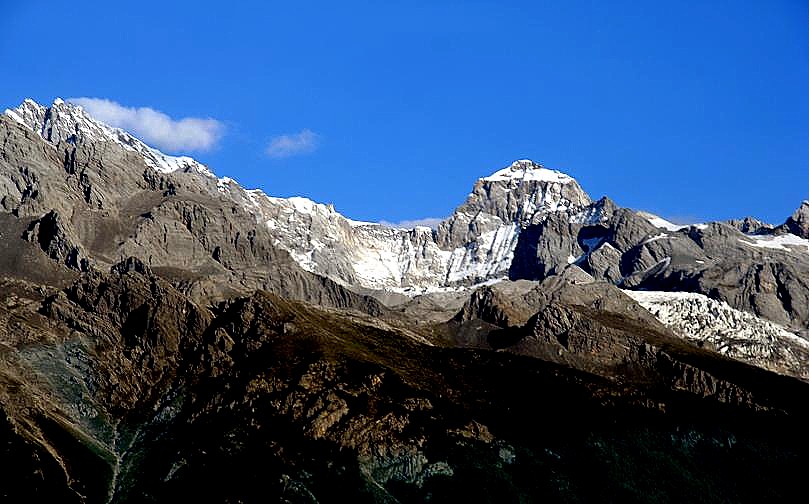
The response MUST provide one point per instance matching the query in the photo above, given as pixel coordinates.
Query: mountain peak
(798, 222)
(528, 170)
(524, 189)
(62, 121)
(67, 122)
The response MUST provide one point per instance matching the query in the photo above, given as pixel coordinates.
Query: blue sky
(391, 110)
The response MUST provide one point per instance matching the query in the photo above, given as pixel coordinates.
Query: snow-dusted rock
(66, 122)
(731, 332)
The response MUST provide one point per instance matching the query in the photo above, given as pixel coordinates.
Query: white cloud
(154, 127)
(284, 146)
(431, 222)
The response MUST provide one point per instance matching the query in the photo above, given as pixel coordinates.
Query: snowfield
(731, 332)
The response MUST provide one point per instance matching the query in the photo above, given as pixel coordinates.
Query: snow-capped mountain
(523, 221)
(474, 245)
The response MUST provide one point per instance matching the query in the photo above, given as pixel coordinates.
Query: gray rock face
(505, 304)
(776, 291)
(604, 263)
(658, 253)
(798, 222)
(758, 273)
(618, 245)
(522, 193)
(751, 225)
(545, 248)
(627, 229)
(56, 240)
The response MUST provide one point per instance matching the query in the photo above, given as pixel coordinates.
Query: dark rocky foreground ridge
(160, 341)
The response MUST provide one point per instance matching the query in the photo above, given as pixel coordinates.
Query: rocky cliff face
(798, 223)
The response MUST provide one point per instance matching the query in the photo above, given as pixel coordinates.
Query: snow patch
(222, 184)
(356, 223)
(654, 238)
(786, 242)
(527, 170)
(660, 222)
(16, 117)
(590, 216)
(489, 255)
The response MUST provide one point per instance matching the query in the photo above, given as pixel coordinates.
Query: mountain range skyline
(379, 103)
(208, 131)
(489, 237)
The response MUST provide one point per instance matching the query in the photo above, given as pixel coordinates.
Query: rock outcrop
(798, 222)
(54, 238)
